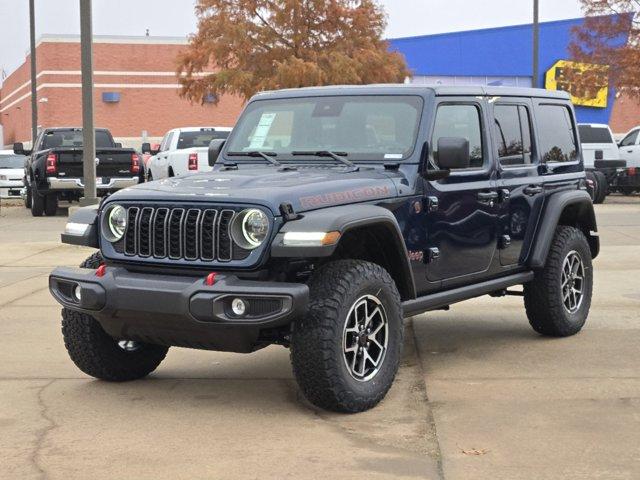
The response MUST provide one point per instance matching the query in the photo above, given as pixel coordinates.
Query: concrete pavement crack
(430, 418)
(41, 435)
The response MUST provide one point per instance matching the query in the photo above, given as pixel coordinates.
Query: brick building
(136, 90)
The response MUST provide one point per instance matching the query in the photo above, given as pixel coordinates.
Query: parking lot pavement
(503, 403)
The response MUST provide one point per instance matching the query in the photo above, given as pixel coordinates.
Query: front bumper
(117, 183)
(181, 310)
(10, 188)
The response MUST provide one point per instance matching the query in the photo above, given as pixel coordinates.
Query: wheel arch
(572, 208)
(367, 232)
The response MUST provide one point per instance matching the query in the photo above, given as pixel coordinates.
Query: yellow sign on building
(588, 84)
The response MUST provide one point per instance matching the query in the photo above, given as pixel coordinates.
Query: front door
(462, 217)
(630, 149)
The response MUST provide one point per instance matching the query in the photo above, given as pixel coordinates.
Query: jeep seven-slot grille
(190, 234)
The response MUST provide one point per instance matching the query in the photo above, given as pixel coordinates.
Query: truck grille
(191, 234)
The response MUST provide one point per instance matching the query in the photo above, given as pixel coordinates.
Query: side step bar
(442, 299)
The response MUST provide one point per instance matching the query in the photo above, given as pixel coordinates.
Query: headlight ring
(115, 223)
(250, 228)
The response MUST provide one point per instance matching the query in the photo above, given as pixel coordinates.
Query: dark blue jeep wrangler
(331, 215)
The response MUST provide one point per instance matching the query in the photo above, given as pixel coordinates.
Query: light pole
(88, 133)
(34, 90)
(536, 42)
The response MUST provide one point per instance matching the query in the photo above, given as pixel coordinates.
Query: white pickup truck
(182, 151)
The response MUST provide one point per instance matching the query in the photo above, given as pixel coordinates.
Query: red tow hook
(211, 279)
(102, 269)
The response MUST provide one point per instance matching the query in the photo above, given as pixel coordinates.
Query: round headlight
(116, 223)
(250, 228)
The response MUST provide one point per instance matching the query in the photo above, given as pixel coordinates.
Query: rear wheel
(51, 204)
(558, 299)
(602, 187)
(27, 196)
(101, 356)
(37, 202)
(346, 351)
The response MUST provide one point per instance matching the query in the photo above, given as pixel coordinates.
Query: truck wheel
(558, 299)
(27, 196)
(101, 356)
(37, 203)
(346, 351)
(51, 205)
(592, 189)
(602, 187)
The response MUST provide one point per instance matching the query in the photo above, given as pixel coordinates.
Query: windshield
(200, 139)
(73, 139)
(361, 127)
(12, 161)
(589, 134)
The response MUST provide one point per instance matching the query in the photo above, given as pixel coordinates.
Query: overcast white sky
(176, 17)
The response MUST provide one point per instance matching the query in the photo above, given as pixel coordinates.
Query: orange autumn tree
(610, 36)
(254, 45)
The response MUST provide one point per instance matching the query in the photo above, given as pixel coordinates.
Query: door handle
(630, 151)
(533, 189)
(486, 196)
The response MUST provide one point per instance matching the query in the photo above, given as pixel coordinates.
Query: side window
(557, 136)
(513, 134)
(461, 121)
(169, 139)
(630, 139)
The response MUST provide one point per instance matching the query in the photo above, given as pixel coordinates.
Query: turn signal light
(211, 279)
(102, 269)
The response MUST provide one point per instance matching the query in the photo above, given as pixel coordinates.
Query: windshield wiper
(338, 156)
(255, 153)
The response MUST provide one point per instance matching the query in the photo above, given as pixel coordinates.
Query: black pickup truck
(330, 215)
(54, 169)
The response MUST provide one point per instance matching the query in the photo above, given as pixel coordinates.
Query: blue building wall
(504, 51)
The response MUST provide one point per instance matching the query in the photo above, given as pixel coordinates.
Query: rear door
(520, 184)
(462, 218)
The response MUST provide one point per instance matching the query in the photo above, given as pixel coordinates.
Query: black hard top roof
(415, 89)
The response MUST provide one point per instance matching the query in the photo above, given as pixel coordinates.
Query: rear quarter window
(557, 136)
(589, 134)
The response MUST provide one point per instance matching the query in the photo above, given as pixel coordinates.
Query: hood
(305, 188)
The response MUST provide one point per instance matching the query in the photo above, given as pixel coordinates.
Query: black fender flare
(87, 216)
(342, 219)
(573, 207)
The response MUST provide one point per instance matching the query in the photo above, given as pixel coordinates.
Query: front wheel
(558, 299)
(101, 356)
(345, 352)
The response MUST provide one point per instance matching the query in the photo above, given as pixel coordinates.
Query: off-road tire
(97, 354)
(543, 298)
(38, 203)
(317, 340)
(51, 205)
(602, 187)
(27, 196)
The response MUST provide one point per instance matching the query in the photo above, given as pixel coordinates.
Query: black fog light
(238, 306)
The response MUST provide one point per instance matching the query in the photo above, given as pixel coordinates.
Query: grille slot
(189, 234)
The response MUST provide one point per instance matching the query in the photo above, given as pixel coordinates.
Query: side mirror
(428, 170)
(18, 148)
(215, 147)
(453, 153)
(118, 145)
(146, 148)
